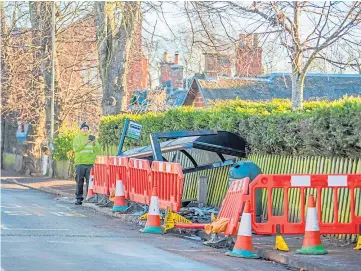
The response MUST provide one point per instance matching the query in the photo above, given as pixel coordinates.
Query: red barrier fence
(168, 177)
(233, 204)
(287, 193)
(101, 176)
(301, 185)
(232, 207)
(139, 181)
(118, 165)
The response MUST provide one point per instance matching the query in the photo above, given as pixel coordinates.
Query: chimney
(164, 70)
(242, 40)
(211, 66)
(165, 56)
(176, 58)
(176, 76)
(217, 65)
(248, 56)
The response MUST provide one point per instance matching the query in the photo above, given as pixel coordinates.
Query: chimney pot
(176, 58)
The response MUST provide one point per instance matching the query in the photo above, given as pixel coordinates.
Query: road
(42, 232)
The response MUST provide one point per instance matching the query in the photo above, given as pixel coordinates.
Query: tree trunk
(114, 39)
(297, 90)
(41, 23)
(297, 78)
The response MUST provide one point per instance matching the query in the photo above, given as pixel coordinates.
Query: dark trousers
(82, 171)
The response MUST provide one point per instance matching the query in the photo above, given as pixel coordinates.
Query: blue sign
(22, 132)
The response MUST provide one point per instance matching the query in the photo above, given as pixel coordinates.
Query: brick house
(204, 92)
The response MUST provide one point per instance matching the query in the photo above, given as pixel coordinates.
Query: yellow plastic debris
(112, 195)
(217, 226)
(171, 219)
(213, 217)
(143, 217)
(281, 244)
(358, 244)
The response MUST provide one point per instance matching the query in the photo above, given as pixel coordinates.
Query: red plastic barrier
(101, 176)
(318, 183)
(232, 207)
(118, 165)
(168, 177)
(233, 204)
(139, 181)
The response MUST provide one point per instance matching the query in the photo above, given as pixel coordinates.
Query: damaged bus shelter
(195, 150)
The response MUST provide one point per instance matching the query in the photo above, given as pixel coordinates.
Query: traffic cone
(153, 220)
(243, 247)
(90, 192)
(119, 200)
(312, 244)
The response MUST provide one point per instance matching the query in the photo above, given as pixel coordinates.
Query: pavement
(341, 255)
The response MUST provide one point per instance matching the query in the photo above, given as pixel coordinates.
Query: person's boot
(78, 202)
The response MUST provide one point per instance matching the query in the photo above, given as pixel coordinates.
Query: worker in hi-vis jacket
(86, 148)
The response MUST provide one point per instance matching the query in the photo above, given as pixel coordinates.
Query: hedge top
(322, 128)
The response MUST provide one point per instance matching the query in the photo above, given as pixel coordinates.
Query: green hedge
(63, 144)
(321, 129)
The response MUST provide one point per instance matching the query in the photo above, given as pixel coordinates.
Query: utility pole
(51, 144)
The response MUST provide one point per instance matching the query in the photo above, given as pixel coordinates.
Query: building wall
(198, 100)
(248, 56)
(134, 72)
(145, 64)
(194, 97)
(216, 65)
(78, 76)
(176, 76)
(165, 68)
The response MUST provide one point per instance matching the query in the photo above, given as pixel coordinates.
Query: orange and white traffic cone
(312, 244)
(153, 221)
(119, 200)
(90, 192)
(243, 247)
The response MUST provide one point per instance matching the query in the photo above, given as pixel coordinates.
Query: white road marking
(19, 213)
(66, 207)
(67, 214)
(38, 206)
(2, 227)
(10, 206)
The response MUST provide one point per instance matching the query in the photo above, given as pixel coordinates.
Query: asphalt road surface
(41, 232)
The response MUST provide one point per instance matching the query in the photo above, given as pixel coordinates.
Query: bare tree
(5, 65)
(346, 58)
(303, 29)
(26, 72)
(77, 81)
(116, 27)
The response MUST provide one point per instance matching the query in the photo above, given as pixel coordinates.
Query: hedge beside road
(322, 128)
